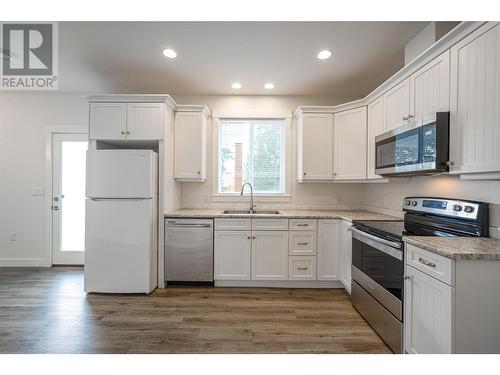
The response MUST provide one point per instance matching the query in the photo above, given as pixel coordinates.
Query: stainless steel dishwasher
(189, 250)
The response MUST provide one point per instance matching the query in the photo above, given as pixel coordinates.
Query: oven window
(379, 266)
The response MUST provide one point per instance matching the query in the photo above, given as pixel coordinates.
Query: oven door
(377, 266)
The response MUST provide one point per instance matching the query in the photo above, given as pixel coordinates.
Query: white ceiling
(126, 57)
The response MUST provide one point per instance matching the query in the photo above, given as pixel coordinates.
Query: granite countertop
(287, 214)
(459, 248)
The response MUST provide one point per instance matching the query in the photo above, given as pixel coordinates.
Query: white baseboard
(24, 262)
(278, 284)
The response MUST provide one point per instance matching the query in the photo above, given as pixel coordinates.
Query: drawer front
(269, 224)
(233, 224)
(431, 264)
(302, 268)
(303, 224)
(302, 243)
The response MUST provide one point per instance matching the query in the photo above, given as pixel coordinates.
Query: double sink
(250, 212)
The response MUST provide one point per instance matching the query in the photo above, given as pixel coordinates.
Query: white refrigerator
(121, 221)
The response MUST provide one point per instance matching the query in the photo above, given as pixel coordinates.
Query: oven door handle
(395, 245)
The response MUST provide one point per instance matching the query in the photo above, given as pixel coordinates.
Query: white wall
(22, 166)
(389, 197)
(307, 195)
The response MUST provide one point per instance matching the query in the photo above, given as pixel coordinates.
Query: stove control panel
(447, 207)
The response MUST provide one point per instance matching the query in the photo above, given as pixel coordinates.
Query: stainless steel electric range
(378, 256)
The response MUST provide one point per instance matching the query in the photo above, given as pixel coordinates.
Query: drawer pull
(302, 243)
(302, 268)
(302, 225)
(429, 264)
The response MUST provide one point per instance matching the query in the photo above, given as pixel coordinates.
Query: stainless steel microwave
(421, 147)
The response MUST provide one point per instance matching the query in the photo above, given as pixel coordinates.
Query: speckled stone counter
(287, 214)
(459, 248)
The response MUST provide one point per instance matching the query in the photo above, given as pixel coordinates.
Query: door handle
(54, 208)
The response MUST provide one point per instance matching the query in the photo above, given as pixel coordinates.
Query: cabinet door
(349, 144)
(145, 120)
(376, 126)
(428, 314)
(329, 241)
(397, 105)
(270, 255)
(108, 121)
(430, 87)
(232, 255)
(315, 147)
(346, 255)
(475, 102)
(190, 146)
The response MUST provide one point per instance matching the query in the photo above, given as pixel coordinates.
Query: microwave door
(399, 153)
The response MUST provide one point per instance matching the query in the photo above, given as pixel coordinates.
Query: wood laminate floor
(47, 311)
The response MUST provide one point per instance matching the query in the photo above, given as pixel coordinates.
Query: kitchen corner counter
(346, 215)
(459, 248)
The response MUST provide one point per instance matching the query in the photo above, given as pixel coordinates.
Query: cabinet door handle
(427, 263)
(406, 277)
(305, 173)
(123, 132)
(249, 237)
(302, 243)
(127, 132)
(302, 225)
(409, 117)
(253, 237)
(198, 172)
(404, 118)
(302, 268)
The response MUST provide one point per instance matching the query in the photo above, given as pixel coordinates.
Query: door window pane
(73, 155)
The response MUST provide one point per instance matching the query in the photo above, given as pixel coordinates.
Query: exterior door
(68, 198)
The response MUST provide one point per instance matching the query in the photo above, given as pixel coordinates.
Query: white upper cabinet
(397, 104)
(190, 146)
(108, 121)
(430, 87)
(376, 126)
(111, 121)
(315, 146)
(475, 102)
(145, 120)
(329, 237)
(349, 144)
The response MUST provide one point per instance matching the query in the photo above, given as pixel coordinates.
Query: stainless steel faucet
(252, 206)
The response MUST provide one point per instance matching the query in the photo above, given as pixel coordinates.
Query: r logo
(31, 45)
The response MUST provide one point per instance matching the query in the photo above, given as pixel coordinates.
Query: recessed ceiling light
(325, 54)
(236, 85)
(170, 53)
(269, 86)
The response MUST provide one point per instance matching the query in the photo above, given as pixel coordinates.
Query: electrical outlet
(12, 236)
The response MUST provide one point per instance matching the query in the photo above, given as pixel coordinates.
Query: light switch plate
(37, 191)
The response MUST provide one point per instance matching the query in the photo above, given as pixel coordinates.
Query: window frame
(262, 197)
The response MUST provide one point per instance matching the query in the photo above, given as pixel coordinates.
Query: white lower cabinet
(302, 267)
(232, 254)
(428, 314)
(270, 255)
(328, 249)
(345, 255)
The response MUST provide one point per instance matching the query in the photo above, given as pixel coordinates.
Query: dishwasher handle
(187, 225)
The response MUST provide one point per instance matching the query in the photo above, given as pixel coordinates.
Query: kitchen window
(251, 150)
